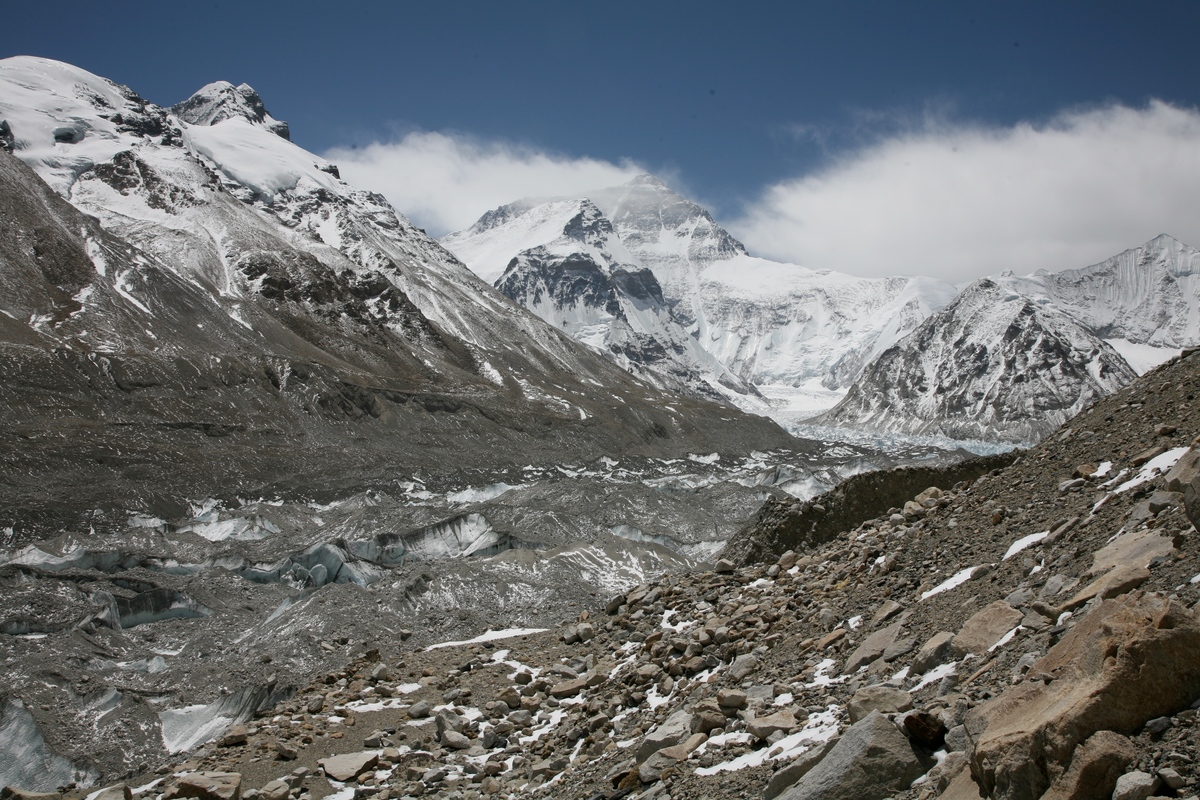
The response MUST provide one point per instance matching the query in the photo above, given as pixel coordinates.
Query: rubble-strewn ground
(705, 685)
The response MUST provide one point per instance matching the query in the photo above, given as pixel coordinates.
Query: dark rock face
(790, 524)
(221, 101)
(6, 136)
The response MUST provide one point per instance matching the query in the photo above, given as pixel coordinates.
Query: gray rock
(1136, 785)
(277, 789)
(455, 740)
(348, 766)
(742, 666)
(1172, 778)
(872, 648)
(673, 730)
(934, 652)
(420, 710)
(884, 699)
(797, 769)
(872, 760)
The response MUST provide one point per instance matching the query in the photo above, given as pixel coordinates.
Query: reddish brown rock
(986, 627)
(1094, 768)
(1126, 662)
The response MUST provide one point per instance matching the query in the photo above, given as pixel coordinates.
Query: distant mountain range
(707, 317)
(207, 274)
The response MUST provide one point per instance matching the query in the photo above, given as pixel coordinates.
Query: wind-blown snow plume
(445, 181)
(961, 201)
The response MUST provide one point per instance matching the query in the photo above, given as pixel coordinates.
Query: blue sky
(800, 125)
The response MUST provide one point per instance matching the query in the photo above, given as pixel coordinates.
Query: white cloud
(957, 201)
(445, 182)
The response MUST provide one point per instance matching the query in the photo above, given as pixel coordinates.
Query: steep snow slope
(994, 364)
(1148, 295)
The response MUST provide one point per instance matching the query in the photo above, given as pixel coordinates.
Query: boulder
(235, 736)
(207, 786)
(277, 789)
(1094, 768)
(673, 730)
(796, 769)
(568, 688)
(1135, 549)
(653, 767)
(872, 760)
(872, 647)
(763, 727)
(510, 696)
(1136, 785)
(1127, 661)
(1117, 582)
(731, 698)
(742, 666)
(884, 699)
(348, 766)
(925, 730)
(454, 740)
(886, 611)
(1185, 472)
(986, 627)
(934, 652)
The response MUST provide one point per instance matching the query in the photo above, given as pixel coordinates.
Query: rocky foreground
(1031, 633)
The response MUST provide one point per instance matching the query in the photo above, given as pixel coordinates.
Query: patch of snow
(820, 727)
(1005, 639)
(1143, 357)
(1023, 542)
(482, 494)
(934, 675)
(489, 636)
(957, 579)
(1152, 468)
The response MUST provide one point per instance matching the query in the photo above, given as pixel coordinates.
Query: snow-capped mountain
(584, 281)
(768, 323)
(319, 307)
(1148, 295)
(995, 364)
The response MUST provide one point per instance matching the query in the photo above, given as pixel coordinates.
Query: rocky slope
(1028, 633)
(239, 314)
(235, 387)
(995, 364)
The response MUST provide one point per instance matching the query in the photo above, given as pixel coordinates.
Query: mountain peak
(221, 100)
(646, 179)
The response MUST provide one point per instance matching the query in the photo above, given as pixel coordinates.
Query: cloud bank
(957, 201)
(444, 182)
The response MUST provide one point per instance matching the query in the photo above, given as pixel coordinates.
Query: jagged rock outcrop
(1128, 661)
(788, 524)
